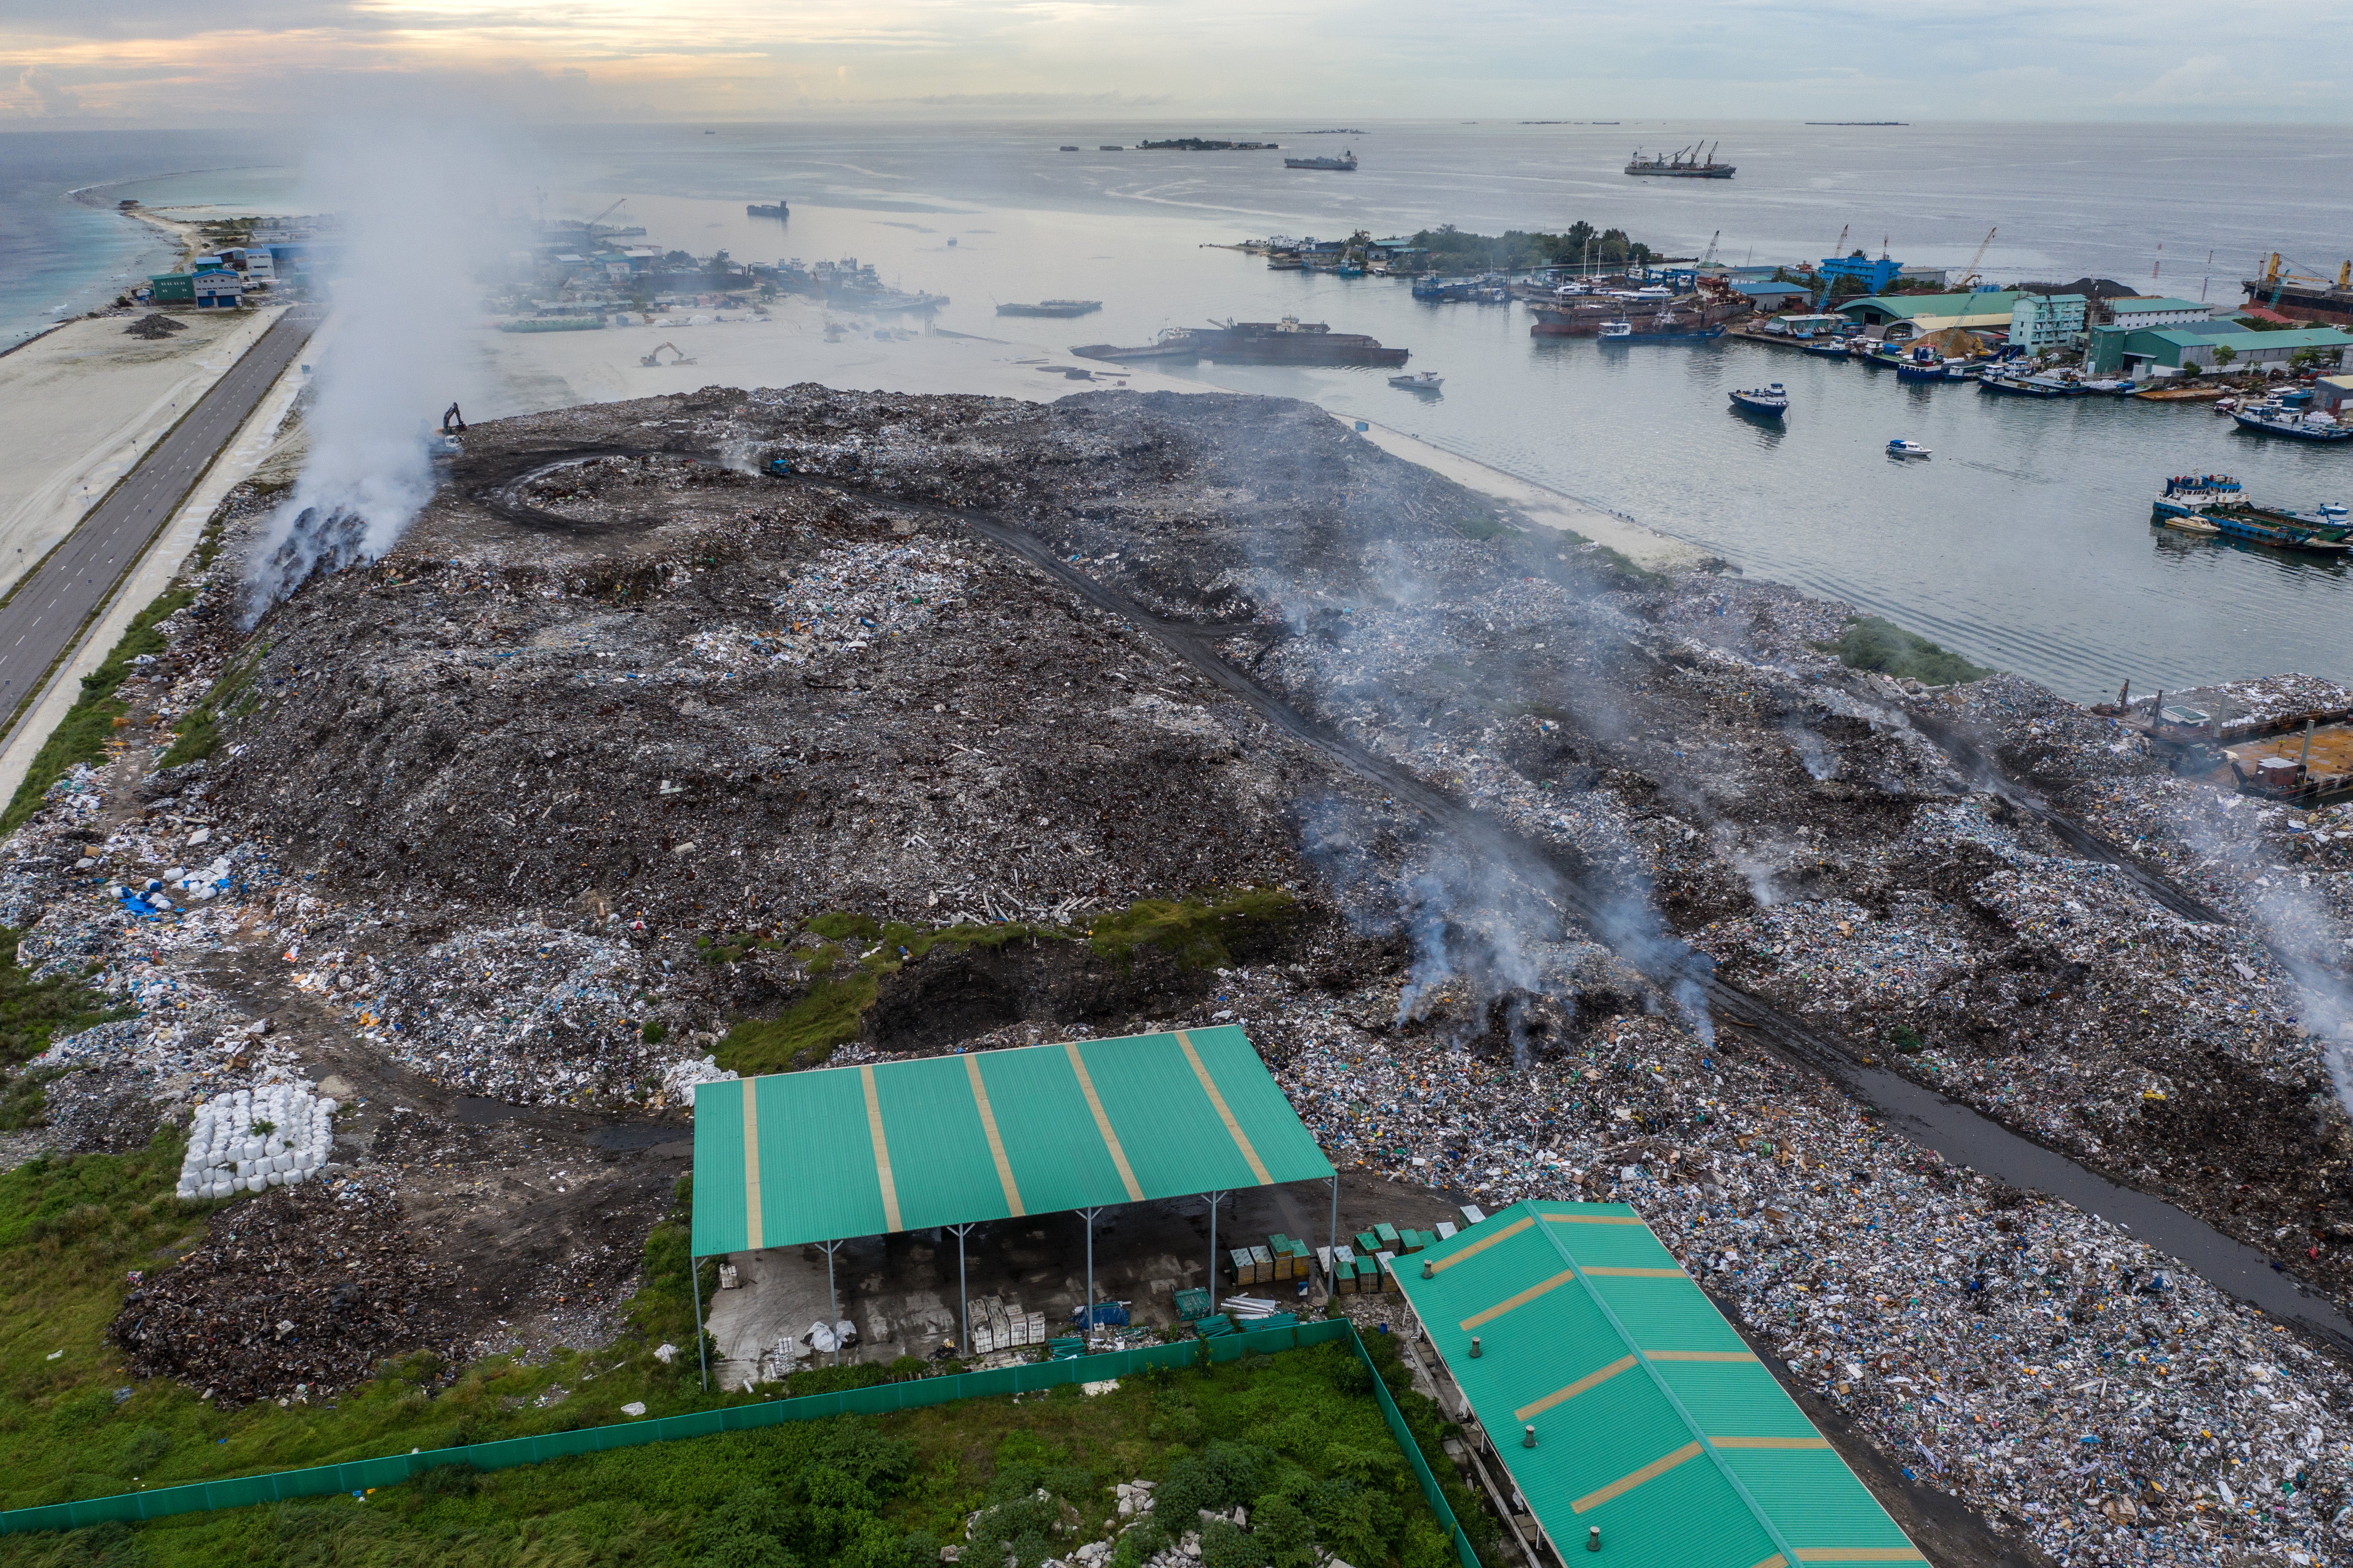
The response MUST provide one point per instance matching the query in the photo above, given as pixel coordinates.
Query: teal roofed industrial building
(1634, 1419)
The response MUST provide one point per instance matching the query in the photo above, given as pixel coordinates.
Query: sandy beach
(79, 405)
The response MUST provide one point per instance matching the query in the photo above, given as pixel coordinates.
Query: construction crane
(589, 229)
(1969, 279)
(655, 358)
(1707, 258)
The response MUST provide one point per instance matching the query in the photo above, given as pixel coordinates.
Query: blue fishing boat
(1923, 364)
(1828, 348)
(2279, 418)
(1766, 402)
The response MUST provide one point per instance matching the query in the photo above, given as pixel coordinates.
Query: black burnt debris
(675, 719)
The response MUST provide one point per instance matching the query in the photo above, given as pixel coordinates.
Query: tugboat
(1768, 402)
(2282, 418)
(1900, 448)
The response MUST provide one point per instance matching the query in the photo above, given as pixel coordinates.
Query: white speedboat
(1900, 448)
(1418, 380)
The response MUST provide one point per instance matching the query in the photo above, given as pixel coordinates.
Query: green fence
(359, 1475)
(1431, 1492)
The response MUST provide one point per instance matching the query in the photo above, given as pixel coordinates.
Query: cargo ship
(1346, 163)
(1288, 341)
(1052, 308)
(761, 209)
(2315, 300)
(1685, 164)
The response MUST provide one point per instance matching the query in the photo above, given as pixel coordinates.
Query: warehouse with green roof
(1633, 1419)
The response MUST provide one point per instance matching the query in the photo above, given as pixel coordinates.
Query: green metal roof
(1653, 1419)
(867, 1150)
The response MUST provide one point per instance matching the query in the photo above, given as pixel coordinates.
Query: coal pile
(154, 325)
(302, 1289)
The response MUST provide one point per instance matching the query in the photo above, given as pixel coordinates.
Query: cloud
(51, 97)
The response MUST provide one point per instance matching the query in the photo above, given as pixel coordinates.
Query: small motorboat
(1900, 448)
(1418, 380)
(1770, 401)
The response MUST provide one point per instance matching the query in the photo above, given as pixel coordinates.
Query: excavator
(452, 422)
(655, 358)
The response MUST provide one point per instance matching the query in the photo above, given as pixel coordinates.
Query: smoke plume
(414, 220)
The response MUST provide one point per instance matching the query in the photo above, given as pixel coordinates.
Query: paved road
(46, 615)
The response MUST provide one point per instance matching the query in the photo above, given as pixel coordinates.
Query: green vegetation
(1451, 251)
(32, 1013)
(1192, 931)
(1296, 1437)
(847, 966)
(81, 1425)
(81, 735)
(233, 695)
(1871, 642)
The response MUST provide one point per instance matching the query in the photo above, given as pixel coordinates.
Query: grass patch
(1871, 642)
(233, 695)
(1483, 528)
(81, 735)
(79, 1426)
(1192, 931)
(1296, 1437)
(32, 1013)
(847, 966)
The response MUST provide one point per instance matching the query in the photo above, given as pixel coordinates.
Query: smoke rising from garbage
(416, 213)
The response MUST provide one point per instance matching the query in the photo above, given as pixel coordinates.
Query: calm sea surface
(2024, 542)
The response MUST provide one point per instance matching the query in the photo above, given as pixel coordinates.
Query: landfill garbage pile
(2072, 1385)
(302, 1293)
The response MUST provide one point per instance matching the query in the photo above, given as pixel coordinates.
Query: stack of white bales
(273, 1136)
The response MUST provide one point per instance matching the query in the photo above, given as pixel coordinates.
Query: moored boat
(2278, 419)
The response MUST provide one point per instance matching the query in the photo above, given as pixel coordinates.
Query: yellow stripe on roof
(752, 1241)
(1650, 1472)
(1241, 1141)
(1563, 1395)
(1592, 1219)
(882, 1149)
(996, 1140)
(1776, 1561)
(1701, 1355)
(1860, 1554)
(1111, 1139)
(1770, 1442)
(1522, 1299)
(1640, 1273)
(1506, 1233)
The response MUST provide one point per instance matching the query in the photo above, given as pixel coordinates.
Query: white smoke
(417, 209)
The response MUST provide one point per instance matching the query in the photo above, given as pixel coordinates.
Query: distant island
(1342, 131)
(1858, 123)
(1196, 145)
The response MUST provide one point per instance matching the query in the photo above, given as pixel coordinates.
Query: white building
(2139, 310)
(2040, 322)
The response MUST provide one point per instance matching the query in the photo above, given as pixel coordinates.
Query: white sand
(81, 406)
(254, 443)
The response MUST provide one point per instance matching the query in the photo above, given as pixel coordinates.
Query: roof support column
(1089, 1327)
(694, 1282)
(964, 1304)
(833, 1302)
(1215, 1199)
(1331, 1253)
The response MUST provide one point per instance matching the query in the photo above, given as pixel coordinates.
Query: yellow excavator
(655, 358)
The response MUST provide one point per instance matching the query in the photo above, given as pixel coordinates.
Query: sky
(172, 63)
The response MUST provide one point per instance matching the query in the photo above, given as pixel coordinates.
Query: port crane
(589, 230)
(1969, 279)
(1707, 257)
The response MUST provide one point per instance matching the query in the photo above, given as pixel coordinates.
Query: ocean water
(2024, 542)
(59, 256)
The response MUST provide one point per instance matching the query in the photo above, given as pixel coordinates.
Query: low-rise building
(173, 289)
(1920, 314)
(1769, 297)
(218, 289)
(1873, 275)
(2161, 353)
(2040, 322)
(2152, 311)
(2334, 393)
